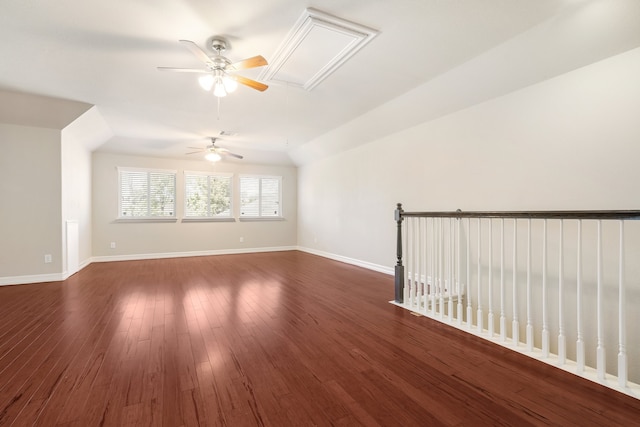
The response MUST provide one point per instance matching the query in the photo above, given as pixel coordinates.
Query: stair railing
(535, 275)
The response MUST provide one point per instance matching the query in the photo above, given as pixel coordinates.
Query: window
(146, 193)
(207, 195)
(260, 196)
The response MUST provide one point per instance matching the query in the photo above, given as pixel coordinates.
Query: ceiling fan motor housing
(218, 45)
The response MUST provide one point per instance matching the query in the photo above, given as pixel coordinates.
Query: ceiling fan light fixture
(213, 157)
(230, 84)
(219, 89)
(206, 81)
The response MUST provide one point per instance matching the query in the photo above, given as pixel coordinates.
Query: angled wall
(30, 211)
(41, 181)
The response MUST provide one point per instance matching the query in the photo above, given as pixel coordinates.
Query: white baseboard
(56, 277)
(83, 264)
(34, 278)
(40, 278)
(364, 264)
(136, 257)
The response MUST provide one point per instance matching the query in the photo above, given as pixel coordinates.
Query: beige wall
(572, 142)
(142, 239)
(30, 211)
(567, 143)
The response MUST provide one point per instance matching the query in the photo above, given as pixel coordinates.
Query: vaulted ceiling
(448, 54)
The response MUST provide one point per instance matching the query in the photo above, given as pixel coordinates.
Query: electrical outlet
(47, 258)
(241, 239)
(113, 245)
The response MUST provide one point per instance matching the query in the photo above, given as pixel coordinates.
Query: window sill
(138, 220)
(208, 220)
(261, 218)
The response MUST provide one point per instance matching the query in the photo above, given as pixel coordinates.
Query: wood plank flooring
(270, 339)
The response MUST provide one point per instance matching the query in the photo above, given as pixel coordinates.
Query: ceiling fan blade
(256, 61)
(195, 152)
(226, 152)
(251, 83)
(183, 70)
(197, 148)
(195, 49)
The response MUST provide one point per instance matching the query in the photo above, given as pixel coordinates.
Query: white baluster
(503, 319)
(600, 350)
(580, 342)
(418, 242)
(425, 286)
(468, 294)
(434, 268)
(545, 330)
(515, 325)
(410, 266)
(622, 328)
(441, 275)
(480, 315)
(405, 251)
(418, 272)
(490, 315)
(451, 263)
(459, 272)
(529, 329)
(562, 340)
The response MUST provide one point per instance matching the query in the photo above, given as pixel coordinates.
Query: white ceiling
(106, 53)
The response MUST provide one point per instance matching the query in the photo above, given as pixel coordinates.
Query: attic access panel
(316, 46)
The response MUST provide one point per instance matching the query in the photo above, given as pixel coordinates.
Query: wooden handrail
(593, 214)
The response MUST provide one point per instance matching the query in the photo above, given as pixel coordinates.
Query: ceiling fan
(219, 73)
(214, 153)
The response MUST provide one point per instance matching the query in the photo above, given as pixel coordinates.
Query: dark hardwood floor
(271, 339)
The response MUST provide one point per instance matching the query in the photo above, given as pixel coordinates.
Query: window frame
(147, 218)
(225, 218)
(261, 217)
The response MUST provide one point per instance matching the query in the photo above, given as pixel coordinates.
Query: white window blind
(207, 195)
(260, 196)
(146, 194)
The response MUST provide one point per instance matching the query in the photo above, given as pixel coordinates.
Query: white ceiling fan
(213, 152)
(219, 73)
